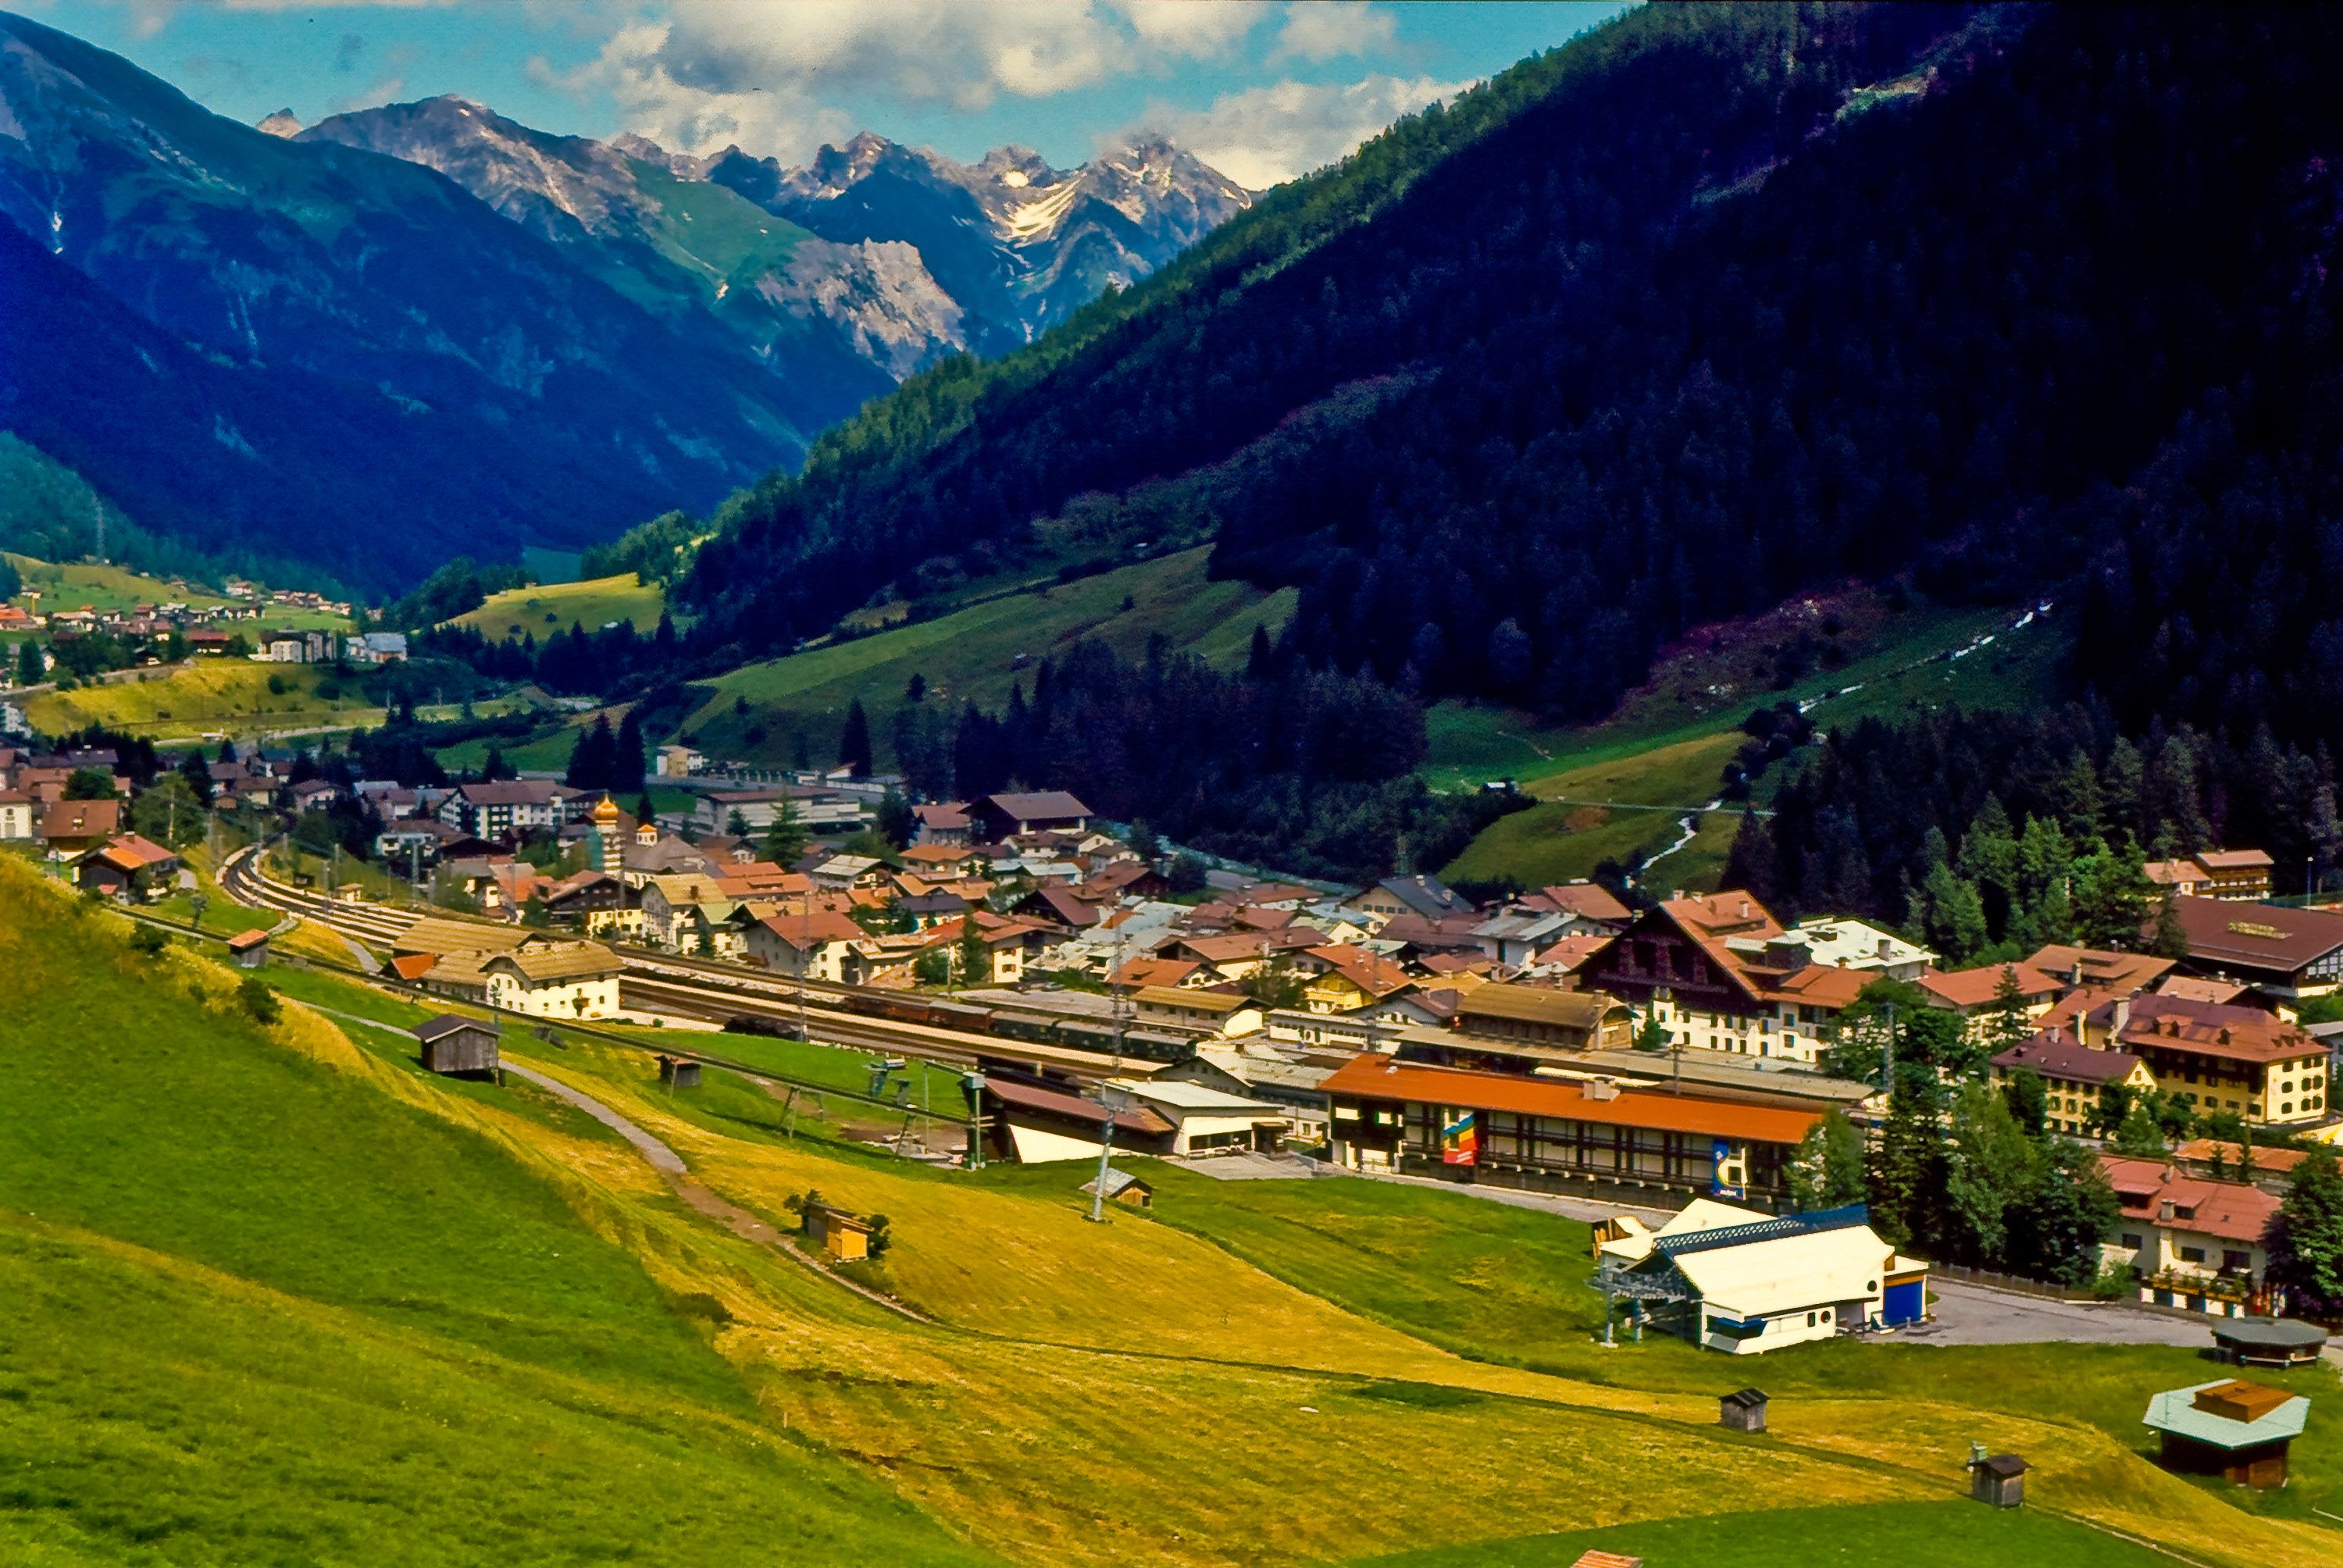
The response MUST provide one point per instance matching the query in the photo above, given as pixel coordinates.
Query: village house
(73, 826)
(1978, 994)
(689, 913)
(810, 944)
(126, 866)
(942, 826)
(998, 817)
(2074, 1077)
(550, 980)
(1428, 897)
(2196, 1243)
(1554, 1020)
(1219, 1013)
(17, 814)
(1352, 978)
(2238, 875)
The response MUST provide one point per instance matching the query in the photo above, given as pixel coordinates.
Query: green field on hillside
(974, 654)
(543, 608)
(1611, 810)
(1670, 739)
(276, 1295)
(209, 696)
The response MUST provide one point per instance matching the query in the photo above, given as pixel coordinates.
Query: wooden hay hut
(248, 950)
(1124, 1188)
(1999, 1480)
(453, 1043)
(845, 1237)
(678, 1072)
(1743, 1410)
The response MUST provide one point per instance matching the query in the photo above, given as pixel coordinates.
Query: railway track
(713, 990)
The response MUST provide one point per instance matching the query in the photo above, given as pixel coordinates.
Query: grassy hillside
(208, 695)
(548, 607)
(274, 1295)
(974, 653)
(1669, 739)
(260, 1310)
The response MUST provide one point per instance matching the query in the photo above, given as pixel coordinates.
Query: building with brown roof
(1718, 972)
(1352, 977)
(1586, 901)
(1977, 993)
(2287, 953)
(1039, 811)
(812, 944)
(1522, 1131)
(2239, 1060)
(2074, 1077)
(2235, 874)
(1561, 1020)
(2196, 1243)
(126, 866)
(2267, 1169)
(2118, 974)
(72, 827)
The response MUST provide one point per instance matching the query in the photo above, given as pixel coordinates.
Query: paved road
(1972, 1315)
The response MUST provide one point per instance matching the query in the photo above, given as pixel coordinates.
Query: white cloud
(698, 74)
(1325, 29)
(1266, 135)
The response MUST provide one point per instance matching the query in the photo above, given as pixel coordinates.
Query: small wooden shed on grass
(1743, 1410)
(678, 1072)
(1999, 1480)
(1124, 1188)
(248, 950)
(453, 1043)
(845, 1237)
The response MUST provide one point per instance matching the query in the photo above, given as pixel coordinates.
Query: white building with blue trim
(1744, 1282)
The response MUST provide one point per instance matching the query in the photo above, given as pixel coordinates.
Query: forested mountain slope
(1730, 301)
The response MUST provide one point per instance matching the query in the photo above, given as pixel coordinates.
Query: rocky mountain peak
(283, 122)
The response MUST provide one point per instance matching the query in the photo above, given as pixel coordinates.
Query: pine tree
(31, 668)
(974, 966)
(594, 757)
(1260, 657)
(627, 759)
(2005, 1020)
(854, 744)
(785, 838)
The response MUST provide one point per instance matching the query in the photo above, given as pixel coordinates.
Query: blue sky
(1264, 91)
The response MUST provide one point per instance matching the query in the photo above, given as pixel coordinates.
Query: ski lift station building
(1740, 1282)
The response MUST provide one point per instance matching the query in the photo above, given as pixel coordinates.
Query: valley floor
(275, 1295)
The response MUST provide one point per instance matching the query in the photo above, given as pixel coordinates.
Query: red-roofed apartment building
(2196, 1243)
(2239, 1060)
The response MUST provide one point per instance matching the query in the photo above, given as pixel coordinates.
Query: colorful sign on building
(1460, 1137)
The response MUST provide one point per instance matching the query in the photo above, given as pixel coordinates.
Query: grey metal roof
(2176, 1412)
